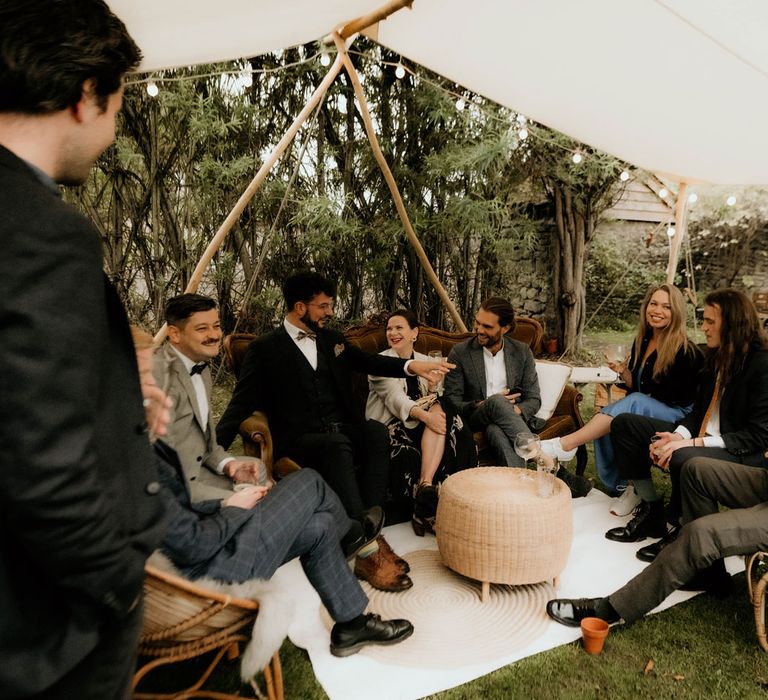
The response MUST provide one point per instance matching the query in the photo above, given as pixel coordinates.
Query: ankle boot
(648, 521)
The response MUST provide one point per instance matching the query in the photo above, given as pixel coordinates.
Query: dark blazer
(465, 385)
(79, 512)
(270, 381)
(743, 410)
(678, 385)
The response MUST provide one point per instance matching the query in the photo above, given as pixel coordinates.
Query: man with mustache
(194, 339)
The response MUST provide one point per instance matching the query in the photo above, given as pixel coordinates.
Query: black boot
(648, 521)
(651, 551)
(578, 485)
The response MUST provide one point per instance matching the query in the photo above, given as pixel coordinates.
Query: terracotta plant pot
(593, 634)
(551, 346)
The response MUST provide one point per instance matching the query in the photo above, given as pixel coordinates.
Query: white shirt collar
(294, 331)
(189, 364)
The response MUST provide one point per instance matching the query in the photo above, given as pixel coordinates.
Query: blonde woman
(661, 378)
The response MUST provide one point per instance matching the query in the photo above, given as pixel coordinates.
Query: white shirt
(307, 345)
(712, 436)
(495, 371)
(202, 399)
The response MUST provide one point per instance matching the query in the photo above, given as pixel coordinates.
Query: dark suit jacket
(466, 384)
(270, 381)
(78, 510)
(678, 385)
(743, 410)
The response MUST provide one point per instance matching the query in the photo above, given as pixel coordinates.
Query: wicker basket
(494, 527)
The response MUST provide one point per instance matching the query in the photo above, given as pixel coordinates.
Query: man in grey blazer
(494, 385)
(693, 561)
(194, 338)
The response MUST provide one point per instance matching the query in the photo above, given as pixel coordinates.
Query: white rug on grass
(596, 567)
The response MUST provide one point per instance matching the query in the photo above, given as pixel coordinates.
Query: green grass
(703, 648)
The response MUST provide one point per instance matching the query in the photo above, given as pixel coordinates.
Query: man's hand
(661, 449)
(246, 471)
(512, 398)
(430, 370)
(247, 498)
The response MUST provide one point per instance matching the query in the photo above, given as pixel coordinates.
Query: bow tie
(306, 334)
(197, 369)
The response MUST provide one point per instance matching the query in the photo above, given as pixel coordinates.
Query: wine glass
(438, 384)
(616, 354)
(527, 445)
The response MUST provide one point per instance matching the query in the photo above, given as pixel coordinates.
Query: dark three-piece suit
(311, 412)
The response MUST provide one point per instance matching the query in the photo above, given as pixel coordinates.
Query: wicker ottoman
(494, 527)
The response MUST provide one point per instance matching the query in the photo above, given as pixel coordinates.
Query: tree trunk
(570, 237)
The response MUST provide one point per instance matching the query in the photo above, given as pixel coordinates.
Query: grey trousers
(496, 416)
(707, 535)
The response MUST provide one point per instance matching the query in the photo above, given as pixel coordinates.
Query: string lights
(245, 79)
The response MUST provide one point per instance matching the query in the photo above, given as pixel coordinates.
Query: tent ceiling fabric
(678, 87)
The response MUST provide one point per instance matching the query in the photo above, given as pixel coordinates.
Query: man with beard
(495, 386)
(194, 339)
(300, 376)
(78, 486)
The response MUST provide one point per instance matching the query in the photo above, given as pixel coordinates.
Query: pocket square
(338, 349)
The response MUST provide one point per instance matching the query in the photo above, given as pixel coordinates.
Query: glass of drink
(527, 445)
(615, 354)
(545, 473)
(438, 384)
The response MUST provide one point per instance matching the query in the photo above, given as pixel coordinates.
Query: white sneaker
(555, 449)
(626, 503)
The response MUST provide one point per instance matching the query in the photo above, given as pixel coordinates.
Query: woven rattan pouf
(494, 527)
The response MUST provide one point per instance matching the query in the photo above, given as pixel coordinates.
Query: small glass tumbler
(438, 385)
(545, 477)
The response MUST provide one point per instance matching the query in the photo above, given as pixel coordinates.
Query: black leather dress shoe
(651, 551)
(346, 641)
(571, 612)
(578, 485)
(648, 521)
(363, 532)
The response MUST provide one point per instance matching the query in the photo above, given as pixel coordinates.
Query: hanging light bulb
(663, 192)
(731, 201)
(521, 119)
(624, 176)
(670, 231)
(400, 71)
(325, 59)
(152, 89)
(577, 157)
(523, 134)
(460, 104)
(693, 198)
(246, 78)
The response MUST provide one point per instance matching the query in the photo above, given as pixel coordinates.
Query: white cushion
(553, 377)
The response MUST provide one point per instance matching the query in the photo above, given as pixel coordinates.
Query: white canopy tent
(678, 87)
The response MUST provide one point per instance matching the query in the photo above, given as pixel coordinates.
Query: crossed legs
(502, 424)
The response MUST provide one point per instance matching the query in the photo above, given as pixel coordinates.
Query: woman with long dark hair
(428, 439)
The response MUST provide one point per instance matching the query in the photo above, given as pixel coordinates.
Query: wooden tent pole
(342, 49)
(677, 239)
(250, 191)
(357, 25)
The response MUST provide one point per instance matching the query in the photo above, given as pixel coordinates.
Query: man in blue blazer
(79, 510)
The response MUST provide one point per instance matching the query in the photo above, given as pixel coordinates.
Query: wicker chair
(183, 621)
(756, 585)
(566, 419)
